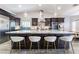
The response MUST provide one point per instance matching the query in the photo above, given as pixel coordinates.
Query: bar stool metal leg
(24, 43)
(19, 47)
(72, 47)
(54, 45)
(30, 45)
(65, 47)
(11, 47)
(38, 45)
(58, 43)
(44, 43)
(47, 46)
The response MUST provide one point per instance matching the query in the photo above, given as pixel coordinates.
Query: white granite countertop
(39, 32)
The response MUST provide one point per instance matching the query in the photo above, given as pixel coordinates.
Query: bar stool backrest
(50, 38)
(67, 38)
(16, 38)
(34, 38)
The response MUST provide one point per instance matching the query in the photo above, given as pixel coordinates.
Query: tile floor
(5, 49)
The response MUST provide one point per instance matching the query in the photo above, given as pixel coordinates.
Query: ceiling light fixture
(19, 6)
(59, 8)
(39, 5)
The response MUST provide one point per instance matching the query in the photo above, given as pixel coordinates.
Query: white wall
(75, 26)
(4, 22)
(67, 24)
(72, 23)
(75, 21)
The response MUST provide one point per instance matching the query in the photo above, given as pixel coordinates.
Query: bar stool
(50, 39)
(34, 39)
(17, 40)
(67, 39)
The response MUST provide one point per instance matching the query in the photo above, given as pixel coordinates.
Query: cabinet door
(47, 21)
(34, 21)
(60, 20)
(17, 20)
(54, 19)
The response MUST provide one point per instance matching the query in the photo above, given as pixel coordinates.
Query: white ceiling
(50, 8)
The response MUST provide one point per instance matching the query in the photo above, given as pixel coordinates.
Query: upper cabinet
(54, 23)
(59, 20)
(48, 21)
(34, 21)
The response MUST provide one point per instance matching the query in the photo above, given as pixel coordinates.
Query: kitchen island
(42, 34)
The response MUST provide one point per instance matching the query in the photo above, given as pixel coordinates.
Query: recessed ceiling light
(19, 6)
(59, 8)
(39, 5)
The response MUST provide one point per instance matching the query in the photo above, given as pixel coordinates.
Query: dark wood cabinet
(56, 21)
(17, 20)
(53, 21)
(34, 21)
(59, 20)
(48, 21)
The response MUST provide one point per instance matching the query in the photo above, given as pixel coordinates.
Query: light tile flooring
(5, 49)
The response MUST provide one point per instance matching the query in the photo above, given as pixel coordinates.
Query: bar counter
(42, 34)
